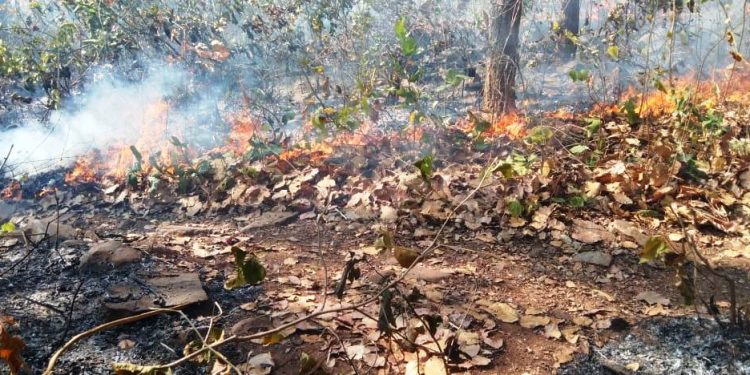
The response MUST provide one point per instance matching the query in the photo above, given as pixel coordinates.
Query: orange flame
(153, 144)
(510, 124)
(12, 191)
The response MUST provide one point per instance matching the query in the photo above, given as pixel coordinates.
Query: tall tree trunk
(570, 27)
(502, 58)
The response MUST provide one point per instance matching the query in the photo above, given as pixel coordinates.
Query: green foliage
(654, 248)
(689, 168)
(453, 78)
(574, 201)
(7, 227)
(408, 44)
(593, 126)
(516, 165)
(577, 201)
(581, 75)
(613, 52)
(425, 168)
(632, 115)
(578, 149)
(343, 118)
(740, 147)
(249, 270)
(540, 135)
(516, 208)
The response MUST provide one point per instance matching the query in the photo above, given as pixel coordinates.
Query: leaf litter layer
(557, 237)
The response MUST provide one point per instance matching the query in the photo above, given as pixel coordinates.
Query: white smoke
(109, 112)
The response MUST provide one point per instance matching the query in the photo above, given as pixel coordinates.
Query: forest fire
(511, 124)
(12, 191)
(154, 148)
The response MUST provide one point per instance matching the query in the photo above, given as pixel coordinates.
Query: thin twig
(5, 161)
(69, 317)
(102, 327)
(343, 346)
(45, 305)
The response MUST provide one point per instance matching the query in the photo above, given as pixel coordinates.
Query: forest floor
(547, 244)
(551, 289)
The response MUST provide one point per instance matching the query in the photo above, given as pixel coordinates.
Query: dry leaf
(260, 364)
(405, 256)
(533, 321)
(435, 366)
(564, 355)
(126, 344)
(552, 331)
(652, 298)
(503, 312)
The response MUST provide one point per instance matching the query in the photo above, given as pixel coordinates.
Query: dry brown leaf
(503, 312)
(533, 321)
(652, 298)
(582, 321)
(405, 256)
(552, 331)
(564, 355)
(126, 344)
(541, 216)
(571, 334)
(492, 343)
(435, 366)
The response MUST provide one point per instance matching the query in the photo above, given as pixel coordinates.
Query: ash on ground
(683, 345)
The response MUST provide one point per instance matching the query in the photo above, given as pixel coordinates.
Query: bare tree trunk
(502, 58)
(570, 27)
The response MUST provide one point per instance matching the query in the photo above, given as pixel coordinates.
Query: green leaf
(540, 135)
(578, 149)
(577, 201)
(506, 169)
(629, 108)
(137, 154)
(454, 78)
(400, 28)
(249, 270)
(409, 46)
(425, 168)
(594, 124)
(409, 95)
(613, 52)
(8, 227)
(579, 75)
(515, 208)
(480, 125)
(653, 249)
